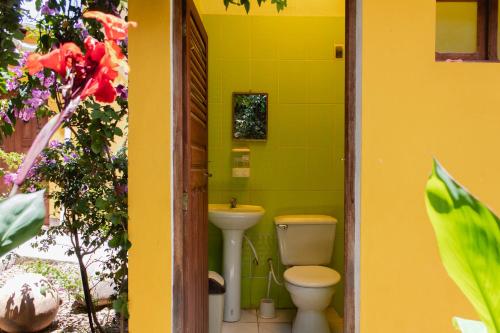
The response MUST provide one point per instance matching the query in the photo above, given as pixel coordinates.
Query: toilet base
(308, 321)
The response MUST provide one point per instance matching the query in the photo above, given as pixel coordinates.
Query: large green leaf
(468, 235)
(21, 218)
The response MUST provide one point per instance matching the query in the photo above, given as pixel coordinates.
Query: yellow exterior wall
(149, 143)
(414, 108)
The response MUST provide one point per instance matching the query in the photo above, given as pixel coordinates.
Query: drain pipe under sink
(256, 258)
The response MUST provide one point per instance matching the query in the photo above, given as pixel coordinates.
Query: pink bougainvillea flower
(115, 28)
(58, 60)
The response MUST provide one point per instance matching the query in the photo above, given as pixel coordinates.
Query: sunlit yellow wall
(149, 183)
(414, 108)
(294, 8)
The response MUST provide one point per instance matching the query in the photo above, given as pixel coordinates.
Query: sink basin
(240, 218)
(233, 222)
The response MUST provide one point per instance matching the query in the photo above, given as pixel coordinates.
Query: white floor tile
(282, 316)
(275, 328)
(240, 328)
(248, 316)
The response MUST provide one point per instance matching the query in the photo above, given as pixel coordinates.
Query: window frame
(487, 31)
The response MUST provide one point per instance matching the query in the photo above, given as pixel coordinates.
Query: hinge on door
(185, 201)
(184, 30)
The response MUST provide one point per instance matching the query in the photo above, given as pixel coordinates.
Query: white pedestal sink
(233, 222)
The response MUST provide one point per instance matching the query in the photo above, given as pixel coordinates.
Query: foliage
(12, 160)
(69, 281)
(90, 180)
(250, 116)
(21, 218)
(92, 194)
(468, 235)
(10, 29)
(8, 162)
(280, 4)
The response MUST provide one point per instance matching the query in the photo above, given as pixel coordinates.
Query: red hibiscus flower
(59, 60)
(94, 73)
(114, 27)
(107, 59)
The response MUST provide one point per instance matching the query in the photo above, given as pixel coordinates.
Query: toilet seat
(312, 276)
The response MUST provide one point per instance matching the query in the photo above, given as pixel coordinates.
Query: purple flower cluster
(46, 81)
(46, 10)
(122, 91)
(12, 84)
(9, 178)
(38, 98)
(55, 144)
(5, 117)
(83, 31)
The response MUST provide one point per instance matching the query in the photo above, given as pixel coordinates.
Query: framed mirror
(250, 116)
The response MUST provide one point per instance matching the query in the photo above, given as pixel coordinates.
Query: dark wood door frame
(351, 167)
(352, 107)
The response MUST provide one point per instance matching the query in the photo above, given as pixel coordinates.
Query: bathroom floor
(250, 322)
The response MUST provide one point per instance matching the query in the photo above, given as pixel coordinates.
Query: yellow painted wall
(414, 108)
(295, 8)
(149, 182)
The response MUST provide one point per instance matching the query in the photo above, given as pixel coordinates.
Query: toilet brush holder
(267, 310)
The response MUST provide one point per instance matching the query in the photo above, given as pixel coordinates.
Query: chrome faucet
(233, 202)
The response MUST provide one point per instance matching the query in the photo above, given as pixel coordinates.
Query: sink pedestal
(233, 221)
(233, 240)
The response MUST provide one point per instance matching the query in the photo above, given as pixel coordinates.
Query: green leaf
(469, 326)
(468, 235)
(21, 218)
(246, 4)
(118, 131)
(96, 147)
(101, 203)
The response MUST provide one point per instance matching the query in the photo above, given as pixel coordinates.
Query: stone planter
(28, 303)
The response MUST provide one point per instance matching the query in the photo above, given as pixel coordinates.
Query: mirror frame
(233, 105)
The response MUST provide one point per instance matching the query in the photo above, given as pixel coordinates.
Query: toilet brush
(267, 308)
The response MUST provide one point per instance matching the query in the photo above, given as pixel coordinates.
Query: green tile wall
(300, 167)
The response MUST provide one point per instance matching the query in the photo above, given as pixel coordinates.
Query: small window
(467, 30)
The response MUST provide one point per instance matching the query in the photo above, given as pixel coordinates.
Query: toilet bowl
(311, 289)
(306, 245)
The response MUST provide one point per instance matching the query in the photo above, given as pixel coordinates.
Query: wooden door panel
(195, 144)
(20, 142)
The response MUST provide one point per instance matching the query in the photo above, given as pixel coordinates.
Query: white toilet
(305, 244)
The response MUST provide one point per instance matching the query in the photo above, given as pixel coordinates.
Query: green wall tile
(299, 169)
(321, 125)
(293, 83)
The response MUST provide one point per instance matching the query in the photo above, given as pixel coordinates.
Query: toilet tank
(305, 239)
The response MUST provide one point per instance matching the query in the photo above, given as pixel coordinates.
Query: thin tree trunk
(86, 287)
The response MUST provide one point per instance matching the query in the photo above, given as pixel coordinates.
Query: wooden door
(20, 141)
(195, 173)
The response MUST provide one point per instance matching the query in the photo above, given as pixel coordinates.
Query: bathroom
(297, 58)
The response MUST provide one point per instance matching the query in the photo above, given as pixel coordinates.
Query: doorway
(183, 295)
